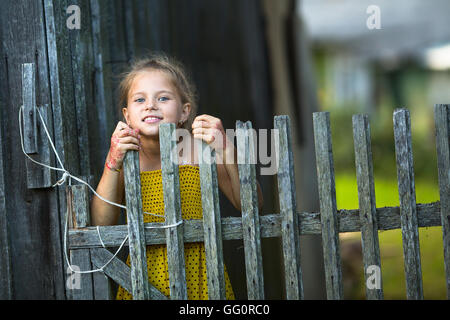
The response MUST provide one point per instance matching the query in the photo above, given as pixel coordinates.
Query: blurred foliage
(382, 140)
(411, 91)
(391, 250)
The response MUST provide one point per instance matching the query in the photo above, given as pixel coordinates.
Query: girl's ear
(125, 114)
(186, 111)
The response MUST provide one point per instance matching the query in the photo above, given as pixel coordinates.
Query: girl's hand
(210, 130)
(124, 138)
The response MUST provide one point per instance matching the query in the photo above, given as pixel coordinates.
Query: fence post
(328, 211)
(78, 204)
(212, 227)
(407, 195)
(249, 204)
(288, 210)
(367, 204)
(172, 211)
(136, 236)
(442, 122)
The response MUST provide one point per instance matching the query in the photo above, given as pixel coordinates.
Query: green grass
(391, 250)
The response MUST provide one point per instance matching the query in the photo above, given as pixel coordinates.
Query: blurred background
(403, 63)
(250, 60)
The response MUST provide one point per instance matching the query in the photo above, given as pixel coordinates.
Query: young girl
(156, 90)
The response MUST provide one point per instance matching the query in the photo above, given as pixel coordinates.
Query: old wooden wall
(222, 43)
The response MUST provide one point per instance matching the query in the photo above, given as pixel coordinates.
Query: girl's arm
(111, 185)
(210, 130)
(228, 179)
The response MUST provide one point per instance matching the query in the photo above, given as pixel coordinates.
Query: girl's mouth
(151, 119)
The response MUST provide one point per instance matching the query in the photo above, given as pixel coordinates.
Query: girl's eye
(139, 100)
(163, 99)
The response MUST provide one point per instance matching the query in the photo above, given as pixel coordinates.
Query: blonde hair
(173, 68)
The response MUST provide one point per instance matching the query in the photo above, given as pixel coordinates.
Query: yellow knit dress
(194, 253)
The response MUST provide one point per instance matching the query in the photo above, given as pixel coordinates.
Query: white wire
(63, 179)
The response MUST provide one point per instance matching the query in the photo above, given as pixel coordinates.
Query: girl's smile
(153, 99)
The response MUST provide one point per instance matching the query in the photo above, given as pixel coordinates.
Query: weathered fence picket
(442, 123)
(288, 210)
(407, 194)
(172, 212)
(367, 204)
(78, 204)
(212, 226)
(250, 217)
(86, 243)
(328, 211)
(135, 220)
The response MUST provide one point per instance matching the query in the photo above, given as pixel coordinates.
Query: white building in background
(413, 29)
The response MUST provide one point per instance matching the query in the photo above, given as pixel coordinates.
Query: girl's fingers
(129, 139)
(205, 117)
(121, 125)
(128, 132)
(208, 138)
(207, 131)
(201, 124)
(129, 146)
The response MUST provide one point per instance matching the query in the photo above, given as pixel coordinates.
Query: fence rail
(86, 247)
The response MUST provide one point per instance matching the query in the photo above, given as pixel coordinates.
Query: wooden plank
(102, 285)
(407, 195)
(128, 30)
(250, 216)
(442, 123)
(172, 211)
(29, 230)
(35, 141)
(6, 281)
(99, 83)
(388, 219)
(60, 99)
(29, 104)
(119, 271)
(80, 259)
(288, 208)
(80, 206)
(367, 204)
(328, 212)
(212, 230)
(82, 66)
(82, 287)
(136, 240)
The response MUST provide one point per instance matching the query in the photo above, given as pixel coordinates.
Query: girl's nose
(151, 106)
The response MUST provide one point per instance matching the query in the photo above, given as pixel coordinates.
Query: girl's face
(152, 100)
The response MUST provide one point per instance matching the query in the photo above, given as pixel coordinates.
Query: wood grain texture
(212, 231)
(328, 211)
(35, 238)
(442, 124)
(172, 211)
(6, 281)
(366, 199)
(250, 216)
(288, 208)
(408, 212)
(119, 271)
(388, 219)
(136, 240)
(80, 259)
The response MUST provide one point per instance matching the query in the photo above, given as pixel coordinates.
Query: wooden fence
(87, 251)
